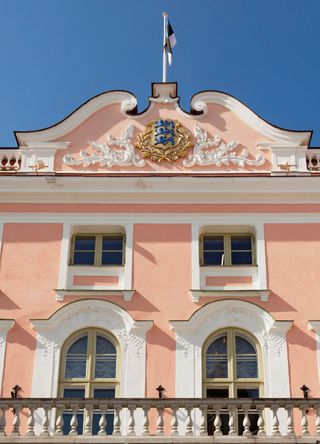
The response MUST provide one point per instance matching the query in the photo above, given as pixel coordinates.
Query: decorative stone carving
(221, 154)
(116, 152)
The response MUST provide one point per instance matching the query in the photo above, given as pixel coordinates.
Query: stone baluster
(16, 422)
(261, 424)
(30, 422)
(246, 423)
(3, 421)
(317, 423)
(45, 423)
(59, 423)
(74, 422)
(102, 422)
(131, 422)
(275, 421)
(232, 421)
(189, 422)
(145, 421)
(203, 421)
(174, 422)
(290, 429)
(87, 428)
(160, 422)
(304, 422)
(217, 423)
(116, 422)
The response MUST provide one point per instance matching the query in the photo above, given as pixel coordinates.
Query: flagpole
(164, 55)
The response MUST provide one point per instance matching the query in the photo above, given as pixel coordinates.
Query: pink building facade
(160, 248)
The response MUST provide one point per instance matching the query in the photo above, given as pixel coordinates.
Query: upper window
(97, 249)
(227, 249)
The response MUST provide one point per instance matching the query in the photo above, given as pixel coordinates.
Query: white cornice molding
(200, 101)
(126, 100)
(74, 189)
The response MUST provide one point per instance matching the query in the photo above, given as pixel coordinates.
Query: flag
(171, 42)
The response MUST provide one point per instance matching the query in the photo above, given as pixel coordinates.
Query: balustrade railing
(10, 160)
(313, 160)
(167, 418)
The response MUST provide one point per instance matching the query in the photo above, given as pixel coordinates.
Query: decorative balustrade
(178, 419)
(313, 160)
(10, 160)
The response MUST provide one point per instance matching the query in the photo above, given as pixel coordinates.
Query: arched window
(89, 369)
(232, 369)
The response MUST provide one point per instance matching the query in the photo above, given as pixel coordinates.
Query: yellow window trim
(89, 382)
(232, 383)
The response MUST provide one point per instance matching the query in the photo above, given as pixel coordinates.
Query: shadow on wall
(21, 336)
(6, 303)
(145, 253)
(158, 337)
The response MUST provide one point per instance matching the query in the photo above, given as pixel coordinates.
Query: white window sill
(84, 293)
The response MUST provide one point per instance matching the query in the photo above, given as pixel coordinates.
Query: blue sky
(56, 54)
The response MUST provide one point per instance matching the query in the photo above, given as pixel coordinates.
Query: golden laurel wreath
(158, 153)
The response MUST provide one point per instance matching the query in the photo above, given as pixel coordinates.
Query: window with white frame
(227, 249)
(98, 249)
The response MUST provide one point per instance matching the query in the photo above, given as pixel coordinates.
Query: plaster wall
(162, 269)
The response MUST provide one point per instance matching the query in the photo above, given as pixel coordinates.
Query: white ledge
(263, 294)
(61, 293)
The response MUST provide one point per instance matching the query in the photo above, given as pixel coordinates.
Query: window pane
(83, 258)
(244, 347)
(104, 346)
(218, 393)
(112, 243)
(104, 393)
(76, 359)
(239, 258)
(105, 367)
(219, 346)
(213, 243)
(216, 366)
(85, 243)
(76, 367)
(79, 346)
(241, 243)
(73, 393)
(247, 367)
(111, 258)
(212, 258)
(248, 393)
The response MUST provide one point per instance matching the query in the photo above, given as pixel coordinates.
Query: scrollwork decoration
(116, 152)
(214, 151)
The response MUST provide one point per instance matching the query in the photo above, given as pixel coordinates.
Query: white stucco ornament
(115, 152)
(220, 152)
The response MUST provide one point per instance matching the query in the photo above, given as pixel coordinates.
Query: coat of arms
(164, 139)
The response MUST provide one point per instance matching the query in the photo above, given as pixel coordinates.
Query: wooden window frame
(232, 383)
(89, 382)
(227, 249)
(98, 249)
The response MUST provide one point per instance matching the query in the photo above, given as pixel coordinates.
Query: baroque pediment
(107, 134)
